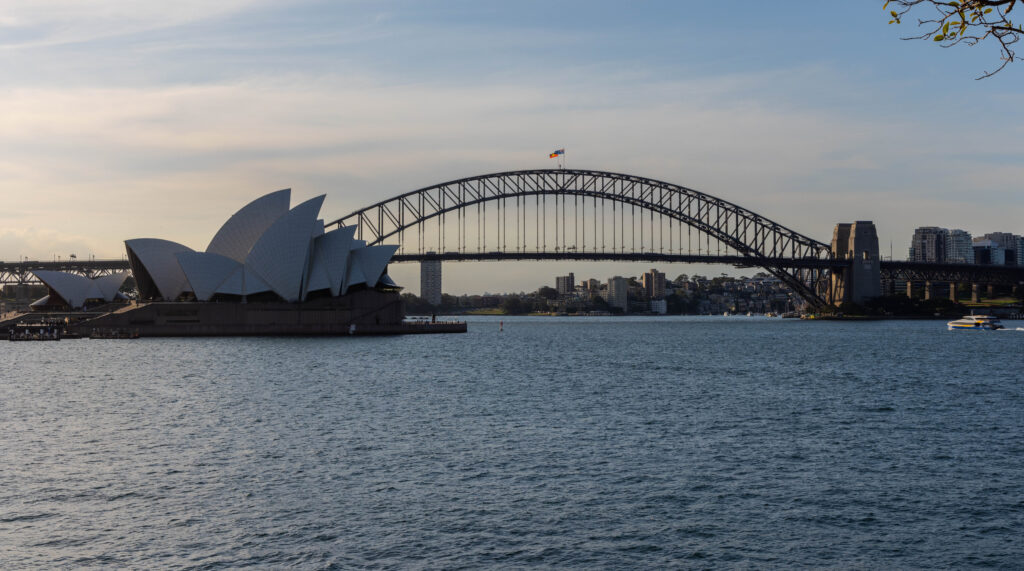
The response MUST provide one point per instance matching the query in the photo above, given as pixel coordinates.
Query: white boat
(976, 322)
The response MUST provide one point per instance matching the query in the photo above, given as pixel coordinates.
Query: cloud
(24, 242)
(54, 22)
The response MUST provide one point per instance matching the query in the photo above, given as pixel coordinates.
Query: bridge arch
(781, 251)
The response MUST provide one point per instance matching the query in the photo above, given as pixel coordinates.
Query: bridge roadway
(654, 257)
(21, 272)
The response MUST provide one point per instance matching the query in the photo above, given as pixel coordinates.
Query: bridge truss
(583, 214)
(14, 273)
(954, 273)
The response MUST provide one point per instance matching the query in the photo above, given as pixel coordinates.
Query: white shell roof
(265, 247)
(159, 258)
(239, 234)
(353, 271)
(243, 282)
(373, 260)
(110, 286)
(76, 289)
(280, 255)
(330, 260)
(206, 271)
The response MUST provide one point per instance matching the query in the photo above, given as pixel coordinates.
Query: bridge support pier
(991, 291)
(953, 294)
(929, 290)
(910, 289)
(857, 242)
(975, 292)
(430, 281)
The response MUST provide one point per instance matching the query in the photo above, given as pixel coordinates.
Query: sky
(125, 119)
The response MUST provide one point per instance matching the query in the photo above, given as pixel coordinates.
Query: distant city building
(1008, 242)
(659, 306)
(928, 245)
(430, 281)
(988, 252)
(592, 285)
(1020, 250)
(618, 287)
(654, 284)
(565, 284)
(959, 247)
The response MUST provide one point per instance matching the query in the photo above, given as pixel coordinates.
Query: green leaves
(953, 22)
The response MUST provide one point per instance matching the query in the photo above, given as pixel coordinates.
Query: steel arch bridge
(590, 215)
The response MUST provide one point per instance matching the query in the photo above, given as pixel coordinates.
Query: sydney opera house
(267, 252)
(269, 270)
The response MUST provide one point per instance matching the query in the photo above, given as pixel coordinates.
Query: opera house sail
(73, 291)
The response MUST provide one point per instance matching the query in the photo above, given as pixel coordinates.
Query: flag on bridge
(556, 153)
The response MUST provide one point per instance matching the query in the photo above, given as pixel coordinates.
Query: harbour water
(558, 442)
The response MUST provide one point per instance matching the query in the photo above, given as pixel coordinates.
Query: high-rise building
(1008, 242)
(959, 247)
(988, 252)
(1020, 250)
(928, 244)
(430, 281)
(617, 292)
(654, 284)
(565, 284)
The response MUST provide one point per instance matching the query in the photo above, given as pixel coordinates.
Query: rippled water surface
(558, 442)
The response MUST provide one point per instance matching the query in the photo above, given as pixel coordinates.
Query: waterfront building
(618, 288)
(430, 281)
(269, 270)
(565, 284)
(959, 247)
(654, 284)
(659, 306)
(266, 251)
(928, 245)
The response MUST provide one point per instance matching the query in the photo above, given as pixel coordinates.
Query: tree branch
(964, 21)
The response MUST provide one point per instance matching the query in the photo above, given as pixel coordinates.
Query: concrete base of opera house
(366, 312)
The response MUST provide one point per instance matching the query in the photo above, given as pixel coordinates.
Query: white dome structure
(206, 271)
(155, 266)
(281, 254)
(369, 262)
(75, 290)
(237, 236)
(262, 248)
(330, 260)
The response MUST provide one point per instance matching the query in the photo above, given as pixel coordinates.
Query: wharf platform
(365, 312)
